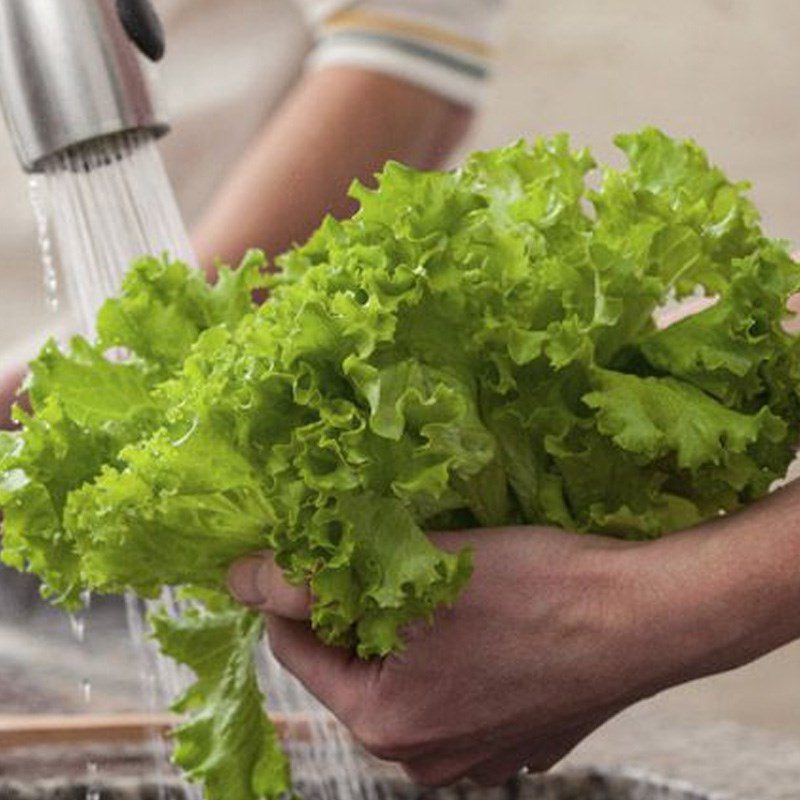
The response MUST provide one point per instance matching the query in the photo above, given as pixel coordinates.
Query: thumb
(257, 581)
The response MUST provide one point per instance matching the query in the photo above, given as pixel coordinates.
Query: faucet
(74, 71)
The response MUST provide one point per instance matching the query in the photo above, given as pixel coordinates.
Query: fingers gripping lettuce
(472, 348)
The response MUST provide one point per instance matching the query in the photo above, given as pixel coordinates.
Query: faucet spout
(73, 71)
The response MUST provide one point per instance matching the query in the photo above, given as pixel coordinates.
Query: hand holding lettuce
(473, 348)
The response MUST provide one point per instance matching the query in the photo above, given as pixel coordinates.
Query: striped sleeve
(443, 45)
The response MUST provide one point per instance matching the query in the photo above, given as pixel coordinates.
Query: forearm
(727, 592)
(339, 124)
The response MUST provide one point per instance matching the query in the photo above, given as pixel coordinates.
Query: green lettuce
(216, 641)
(472, 348)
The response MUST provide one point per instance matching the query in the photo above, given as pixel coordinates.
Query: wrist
(716, 597)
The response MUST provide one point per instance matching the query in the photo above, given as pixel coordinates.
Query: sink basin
(567, 785)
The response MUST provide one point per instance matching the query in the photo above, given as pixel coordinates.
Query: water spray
(76, 92)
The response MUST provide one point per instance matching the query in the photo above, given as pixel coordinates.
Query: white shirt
(444, 45)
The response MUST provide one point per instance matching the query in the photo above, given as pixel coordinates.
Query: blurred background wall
(726, 72)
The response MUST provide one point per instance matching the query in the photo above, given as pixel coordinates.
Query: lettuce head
(472, 348)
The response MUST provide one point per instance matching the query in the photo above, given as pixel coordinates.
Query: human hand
(553, 635)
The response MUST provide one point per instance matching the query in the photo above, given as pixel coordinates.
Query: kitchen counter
(724, 759)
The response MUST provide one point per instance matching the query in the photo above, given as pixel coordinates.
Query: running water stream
(105, 204)
(109, 202)
(97, 207)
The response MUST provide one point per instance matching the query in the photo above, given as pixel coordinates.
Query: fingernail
(244, 581)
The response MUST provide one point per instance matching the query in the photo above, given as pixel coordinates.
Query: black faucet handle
(143, 26)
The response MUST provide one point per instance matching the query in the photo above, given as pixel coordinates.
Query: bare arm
(734, 582)
(339, 123)
(556, 633)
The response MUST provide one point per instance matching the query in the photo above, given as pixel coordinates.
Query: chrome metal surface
(70, 74)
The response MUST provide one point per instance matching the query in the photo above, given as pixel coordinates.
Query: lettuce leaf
(476, 347)
(216, 641)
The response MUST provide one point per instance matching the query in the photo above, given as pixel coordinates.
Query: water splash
(110, 202)
(41, 215)
(77, 619)
(147, 658)
(92, 789)
(325, 757)
(77, 624)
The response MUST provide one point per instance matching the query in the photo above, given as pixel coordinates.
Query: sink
(581, 784)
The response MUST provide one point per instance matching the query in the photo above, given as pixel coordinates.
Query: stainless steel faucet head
(72, 71)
